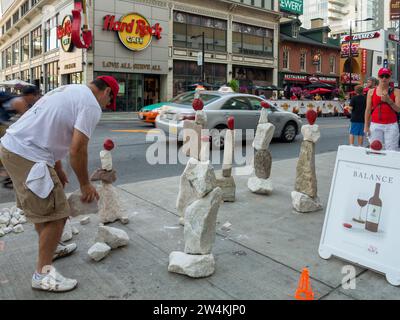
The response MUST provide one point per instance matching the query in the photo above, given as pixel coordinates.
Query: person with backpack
(383, 104)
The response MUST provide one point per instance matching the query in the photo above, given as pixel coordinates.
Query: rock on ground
(195, 266)
(228, 187)
(67, 233)
(200, 223)
(112, 236)
(260, 186)
(303, 203)
(99, 251)
(306, 178)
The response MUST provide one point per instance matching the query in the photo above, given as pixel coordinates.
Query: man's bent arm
(79, 157)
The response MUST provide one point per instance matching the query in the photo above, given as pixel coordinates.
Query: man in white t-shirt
(61, 122)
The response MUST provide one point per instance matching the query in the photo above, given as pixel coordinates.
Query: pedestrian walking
(357, 106)
(383, 104)
(32, 150)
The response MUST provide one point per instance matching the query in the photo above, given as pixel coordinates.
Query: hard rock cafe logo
(134, 31)
(64, 34)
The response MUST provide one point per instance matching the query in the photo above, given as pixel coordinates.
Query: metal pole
(202, 63)
(350, 54)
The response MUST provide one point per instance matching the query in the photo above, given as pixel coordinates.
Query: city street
(129, 156)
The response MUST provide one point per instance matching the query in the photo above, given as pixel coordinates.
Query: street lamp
(202, 55)
(350, 43)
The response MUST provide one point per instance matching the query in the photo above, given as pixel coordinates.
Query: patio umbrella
(15, 83)
(320, 91)
(317, 85)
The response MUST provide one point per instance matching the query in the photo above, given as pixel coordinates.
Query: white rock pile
(11, 220)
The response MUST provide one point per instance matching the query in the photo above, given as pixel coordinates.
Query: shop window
(25, 48)
(303, 59)
(332, 64)
(16, 17)
(50, 34)
(36, 44)
(8, 57)
(188, 30)
(285, 59)
(187, 73)
(250, 40)
(319, 64)
(8, 24)
(25, 75)
(15, 53)
(34, 2)
(51, 76)
(24, 8)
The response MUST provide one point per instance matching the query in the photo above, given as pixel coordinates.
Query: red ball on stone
(376, 145)
(311, 116)
(198, 104)
(108, 144)
(231, 123)
(265, 105)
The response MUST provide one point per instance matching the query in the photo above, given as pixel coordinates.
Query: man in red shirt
(383, 104)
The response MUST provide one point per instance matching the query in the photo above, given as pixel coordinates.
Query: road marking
(137, 131)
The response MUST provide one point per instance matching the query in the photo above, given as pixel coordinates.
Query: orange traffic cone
(304, 291)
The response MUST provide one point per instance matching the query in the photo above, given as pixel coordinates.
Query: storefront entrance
(135, 90)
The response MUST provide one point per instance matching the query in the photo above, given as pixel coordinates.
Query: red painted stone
(376, 145)
(311, 116)
(108, 144)
(347, 225)
(231, 123)
(198, 104)
(265, 105)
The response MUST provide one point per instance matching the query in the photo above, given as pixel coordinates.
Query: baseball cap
(113, 84)
(383, 71)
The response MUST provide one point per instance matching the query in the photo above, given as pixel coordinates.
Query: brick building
(307, 56)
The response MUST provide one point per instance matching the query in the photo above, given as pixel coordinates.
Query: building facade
(307, 56)
(337, 14)
(152, 47)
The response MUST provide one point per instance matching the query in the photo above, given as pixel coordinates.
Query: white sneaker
(64, 250)
(54, 282)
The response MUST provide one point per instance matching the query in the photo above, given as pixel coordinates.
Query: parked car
(149, 113)
(219, 106)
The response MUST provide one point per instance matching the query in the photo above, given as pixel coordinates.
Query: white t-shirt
(44, 132)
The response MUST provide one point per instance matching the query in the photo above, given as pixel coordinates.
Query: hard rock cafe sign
(134, 30)
(71, 33)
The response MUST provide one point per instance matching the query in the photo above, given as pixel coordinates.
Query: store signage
(313, 79)
(345, 50)
(134, 31)
(394, 37)
(64, 34)
(345, 78)
(327, 80)
(361, 220)
(361, 36)
(70, 66)
(394, 10)
(294, 77)
(131, 66)
(364, 61)
(71, 33)
(292, 6)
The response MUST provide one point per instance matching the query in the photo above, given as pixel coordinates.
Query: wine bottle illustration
(374, 210)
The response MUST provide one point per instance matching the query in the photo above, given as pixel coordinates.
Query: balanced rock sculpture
(225, 179)
(305, 197)
(109, 202)
(262, 183)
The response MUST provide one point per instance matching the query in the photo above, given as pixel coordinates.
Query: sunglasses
(384, 76)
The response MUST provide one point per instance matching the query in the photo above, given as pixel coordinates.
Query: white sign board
(362, 221)
(200, 59)
(301, 106)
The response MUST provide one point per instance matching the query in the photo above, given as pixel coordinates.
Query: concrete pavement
(261, 257)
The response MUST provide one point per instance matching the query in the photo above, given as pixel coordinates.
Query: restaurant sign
(292, 6)
(134, 30)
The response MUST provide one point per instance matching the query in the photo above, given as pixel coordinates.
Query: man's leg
(360, 141)
(351, 140)
(39, 227)
(49, 238)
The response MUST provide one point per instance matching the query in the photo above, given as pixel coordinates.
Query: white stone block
(99, 251)
(195, 266)
(260, 186)
(112, 236)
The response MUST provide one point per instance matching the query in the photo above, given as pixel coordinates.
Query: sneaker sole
(50, 291)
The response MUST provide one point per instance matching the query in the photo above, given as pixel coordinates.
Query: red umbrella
(320, 91)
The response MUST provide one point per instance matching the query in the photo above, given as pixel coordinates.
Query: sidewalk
(261, 257)
(119, 116)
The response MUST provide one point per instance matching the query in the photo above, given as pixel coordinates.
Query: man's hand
(367, 131)
(62, 176)
(89, 193)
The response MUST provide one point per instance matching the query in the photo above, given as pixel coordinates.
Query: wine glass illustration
(362, 202)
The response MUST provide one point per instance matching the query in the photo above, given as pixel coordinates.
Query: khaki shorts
(3, 129)
(37, 210)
